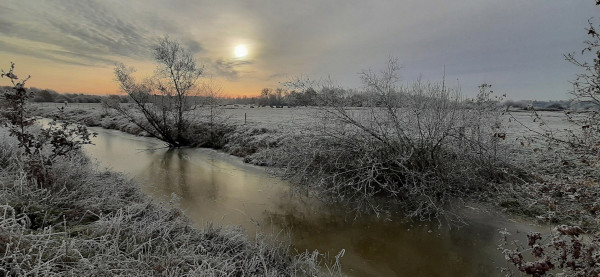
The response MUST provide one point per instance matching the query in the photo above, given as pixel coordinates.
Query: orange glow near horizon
(98, 80)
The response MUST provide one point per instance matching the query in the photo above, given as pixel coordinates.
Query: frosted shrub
(416, 148)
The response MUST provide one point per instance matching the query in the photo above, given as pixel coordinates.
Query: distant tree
(61, 98)
(43, 96)
(211, 93)
(293, 98)
(265, 92)
(310, 97)
(264, 96)
(356, 100)
(272, 100)
(555, 106)
(109, 102)
(163, 99)
(280, 94)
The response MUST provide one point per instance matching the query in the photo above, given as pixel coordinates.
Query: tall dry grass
(91, 223)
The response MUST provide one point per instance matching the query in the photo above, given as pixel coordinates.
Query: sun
(240, 51)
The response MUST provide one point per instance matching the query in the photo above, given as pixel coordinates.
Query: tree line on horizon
(52, 96)
(280, 97)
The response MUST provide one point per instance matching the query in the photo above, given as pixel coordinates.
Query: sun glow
(240, 51)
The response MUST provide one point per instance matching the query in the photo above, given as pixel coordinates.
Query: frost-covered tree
(586, 89)
(41, 146)
(164, 98)
(586, 86)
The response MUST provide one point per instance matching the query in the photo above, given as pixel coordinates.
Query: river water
(215, 187)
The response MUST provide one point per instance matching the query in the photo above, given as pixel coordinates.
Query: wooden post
(245, 118)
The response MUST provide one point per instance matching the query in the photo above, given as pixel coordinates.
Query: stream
(214, 187)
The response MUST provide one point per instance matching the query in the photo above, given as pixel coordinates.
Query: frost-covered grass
(96, 223)
(265, 128)
(563, 188)
(92, 115)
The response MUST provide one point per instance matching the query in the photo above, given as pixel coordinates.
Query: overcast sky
(515, 45)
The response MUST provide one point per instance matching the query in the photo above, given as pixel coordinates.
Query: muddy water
(215, 187)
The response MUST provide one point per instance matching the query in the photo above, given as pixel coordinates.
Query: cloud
(91, 31)
(24, 50)
(229, 69)
(192, 45)
(476, 39)
(277, 76)
(92, 59)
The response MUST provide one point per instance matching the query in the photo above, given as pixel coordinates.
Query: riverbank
(90, 223)
(236, 139)
(561, 188)
(214, 186)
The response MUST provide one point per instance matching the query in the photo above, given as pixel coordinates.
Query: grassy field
(286, 118)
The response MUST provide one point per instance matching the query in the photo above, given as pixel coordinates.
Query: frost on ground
(563, 185)
(94, 223)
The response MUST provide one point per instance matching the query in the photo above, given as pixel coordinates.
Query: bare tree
(586, 86)
(586, 89)
(163, 99)
(41, 147)
(264, 96)
(415, 148)
(211, 93)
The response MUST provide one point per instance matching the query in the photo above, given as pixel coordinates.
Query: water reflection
(216, 187)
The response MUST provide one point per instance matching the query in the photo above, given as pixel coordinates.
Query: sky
(517, 46)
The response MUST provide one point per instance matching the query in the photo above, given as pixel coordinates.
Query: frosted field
(295, 118)
(266, 117)
(298, 117)
(549, 120)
